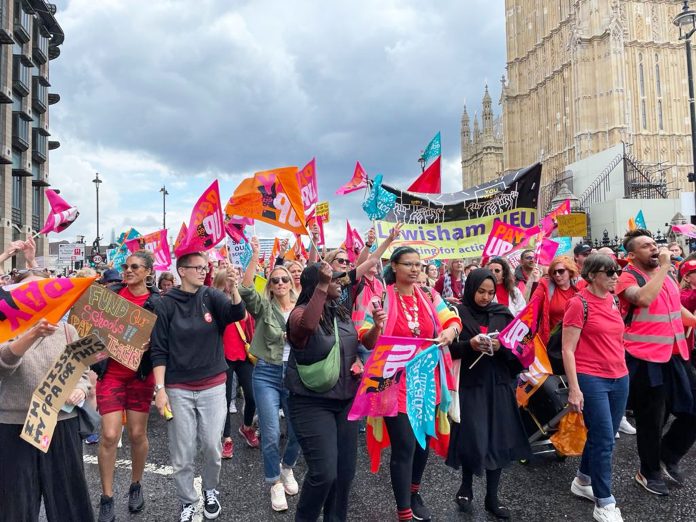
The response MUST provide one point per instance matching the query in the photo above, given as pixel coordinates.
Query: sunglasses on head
(342, 260)
(276, 280)
(612, 272)
(559, 271)
(132, 266)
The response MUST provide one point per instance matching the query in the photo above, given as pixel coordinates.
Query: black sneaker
(106, 509)
(136, 501)
(419, 509)
(212, 507)
(187, 512)
(673, 473)
(464, 503)
(654, 486)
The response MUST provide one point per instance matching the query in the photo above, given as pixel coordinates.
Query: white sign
(71, 252)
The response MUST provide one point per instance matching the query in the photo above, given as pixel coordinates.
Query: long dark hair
(389, 275)
(508, 278)
(309, 281)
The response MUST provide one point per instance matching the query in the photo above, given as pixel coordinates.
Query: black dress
(490, 434)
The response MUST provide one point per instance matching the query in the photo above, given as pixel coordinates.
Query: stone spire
(465, 133)
(487, 117)
(477, 132)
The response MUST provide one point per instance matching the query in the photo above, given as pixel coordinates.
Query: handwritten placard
(323, 210)
(124, 327)
(572, 225)
(55, 388)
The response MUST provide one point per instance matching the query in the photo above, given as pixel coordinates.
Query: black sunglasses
(133, 266)
(559, 271)
(342, 261)
(612, 272)
(276, 280)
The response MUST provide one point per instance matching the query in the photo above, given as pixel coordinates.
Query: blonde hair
(331, 256)
(267, 289)
(220, 280)
(86, 272)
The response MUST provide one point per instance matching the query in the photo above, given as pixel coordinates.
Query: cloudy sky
(178, 93)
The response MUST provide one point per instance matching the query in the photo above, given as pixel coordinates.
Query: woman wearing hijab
(490, 433)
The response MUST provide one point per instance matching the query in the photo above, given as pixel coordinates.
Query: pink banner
(688, 230)
(545, 252)
(378, 393)
(61, 215)
(502, 239)
(157, 244)
(206, 227)
(518, 336)
(357, 182)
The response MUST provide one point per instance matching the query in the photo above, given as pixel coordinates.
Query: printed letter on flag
(502, 239)
(378, 393)
(157, 243)
(518, 336)
(206, 227)
(61, 215)
(272, 196)
(307, 181)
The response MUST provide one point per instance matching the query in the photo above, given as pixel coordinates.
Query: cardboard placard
(55, 388)
(124, 327)
(572, 225)
(323, 210)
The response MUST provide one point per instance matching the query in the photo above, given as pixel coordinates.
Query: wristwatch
(159, 387)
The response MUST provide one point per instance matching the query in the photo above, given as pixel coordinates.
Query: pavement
(536, 491)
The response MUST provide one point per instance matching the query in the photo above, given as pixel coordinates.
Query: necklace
(412, 319)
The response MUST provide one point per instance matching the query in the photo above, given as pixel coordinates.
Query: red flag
(156, 243)
(206, 227)
(429, 182)
(357, 182)
(307, 181)
(61, 215)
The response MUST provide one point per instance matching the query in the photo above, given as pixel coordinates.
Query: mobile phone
(376, 303)
(493, 335)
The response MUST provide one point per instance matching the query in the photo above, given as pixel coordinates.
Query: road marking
(158, 470)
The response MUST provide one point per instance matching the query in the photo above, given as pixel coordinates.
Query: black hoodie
(187, 337)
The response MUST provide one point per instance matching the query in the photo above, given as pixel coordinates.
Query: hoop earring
(150, 281)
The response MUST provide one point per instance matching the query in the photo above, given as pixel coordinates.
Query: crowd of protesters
(619, 328)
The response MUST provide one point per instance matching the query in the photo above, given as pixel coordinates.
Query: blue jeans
(605, 404)
(271, 394)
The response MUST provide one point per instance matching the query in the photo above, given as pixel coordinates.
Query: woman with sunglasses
(553, 293)
(490, 433)
(409, 314)
(506, 293)
(121, 389)
(270, 346)
(595, 364)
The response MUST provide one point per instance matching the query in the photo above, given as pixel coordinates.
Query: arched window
(660, 123)
(658, 82)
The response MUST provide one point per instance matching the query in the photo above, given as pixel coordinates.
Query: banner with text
(457, 225)
(55, 388)
(124, 327)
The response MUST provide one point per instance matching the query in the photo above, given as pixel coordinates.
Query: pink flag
(240, 220)
(320, 224)
(688, 230)
(307, 181)
(378, 392)
(518, 336)
(215, 255)
(206, 227)
(236, 231)
(502, 239)
(157, 243)
(548, 223)
(357, 182)
(61, 215)
(353, 242)
(545, 251)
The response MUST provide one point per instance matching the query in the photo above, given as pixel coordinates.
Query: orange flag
(23, 305)
(275, 252)
(183, 231)
(531, 380)
(272, 196)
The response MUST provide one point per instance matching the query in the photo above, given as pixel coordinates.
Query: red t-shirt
(557, 308)
(600, 350)
(401, 329)
(232, 341)
(502, 295)
(115, 368)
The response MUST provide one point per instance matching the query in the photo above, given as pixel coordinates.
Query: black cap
(582, 248)
(110, 276)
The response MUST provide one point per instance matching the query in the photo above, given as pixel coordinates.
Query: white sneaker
(617, 436)
(580, 490)
(278, 500)
(608, 513)
(233, 407)
(288, 479)
(625, 427)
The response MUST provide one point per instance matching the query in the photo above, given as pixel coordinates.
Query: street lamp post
(164, 192)
(686, 21)
(421, 160)
(97, 182)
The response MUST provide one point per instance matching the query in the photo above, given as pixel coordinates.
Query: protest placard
(572, 225)
(124, 327)
(55, 388)
(323, 211)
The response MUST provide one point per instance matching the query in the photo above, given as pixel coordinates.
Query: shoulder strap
(242, 334)
(585, 308)
(628, 318)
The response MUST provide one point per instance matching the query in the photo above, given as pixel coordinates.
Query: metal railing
(598, 189)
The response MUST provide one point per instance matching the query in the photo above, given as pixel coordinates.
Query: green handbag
(321, 376)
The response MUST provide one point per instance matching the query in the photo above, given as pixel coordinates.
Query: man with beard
(658, 361)
(580, 252)
(524, 271)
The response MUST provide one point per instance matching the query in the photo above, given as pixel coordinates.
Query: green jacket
(269, 334)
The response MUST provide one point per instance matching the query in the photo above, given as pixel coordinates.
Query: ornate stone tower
(482, 152)
(585, 75)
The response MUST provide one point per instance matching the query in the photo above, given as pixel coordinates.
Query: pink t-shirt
(600, 350)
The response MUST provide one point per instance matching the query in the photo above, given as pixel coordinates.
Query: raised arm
(250, 272)
(304, 320)
(375, 256)
(645, 295)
